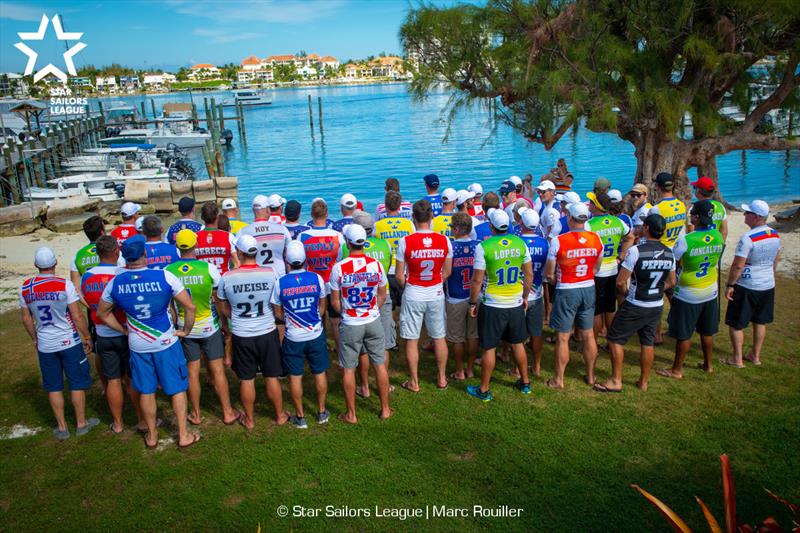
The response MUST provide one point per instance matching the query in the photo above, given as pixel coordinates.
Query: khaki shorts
(460, 326)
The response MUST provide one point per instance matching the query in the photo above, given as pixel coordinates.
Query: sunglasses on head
(636, 195)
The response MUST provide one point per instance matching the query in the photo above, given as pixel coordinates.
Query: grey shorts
(534, 317)
(213, 347)
(412, 315)
(360, 339)
(573, 306)
(389, 327)
(460, 326)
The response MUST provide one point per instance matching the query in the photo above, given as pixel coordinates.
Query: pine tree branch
(788, 83)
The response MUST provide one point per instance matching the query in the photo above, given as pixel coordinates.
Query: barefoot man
(462, 328)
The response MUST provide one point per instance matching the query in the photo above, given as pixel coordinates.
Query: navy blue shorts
(72, 362)
(166, 368)
(296, 353)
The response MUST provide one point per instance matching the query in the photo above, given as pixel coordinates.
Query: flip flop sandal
(756, 363)
(150, 446)
(360, 394)
(407, 387)
(667, 373)
(143, 431)
(194, 441)
(235, 418)
(241, 418)
(455, 378)
(115, 432)
(602, 388)
(551, 384)
(731, 363)
(192, 422)
(443, 388)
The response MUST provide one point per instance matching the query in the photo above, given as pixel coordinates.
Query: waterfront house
(389, 66)
(204, 71)
(157, 81)
(13, 84)
(356, 71)
(329, 61)
(107, 84)
(309, 73)
(282, 60)
(129, 83)
(81, 85)
(252, 63)
(245, 77)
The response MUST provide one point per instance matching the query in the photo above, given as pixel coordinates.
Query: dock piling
(319, 105)
(310, 114)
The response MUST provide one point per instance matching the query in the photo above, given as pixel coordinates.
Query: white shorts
(412, 314)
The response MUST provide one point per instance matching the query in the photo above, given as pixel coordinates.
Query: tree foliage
(631, 67)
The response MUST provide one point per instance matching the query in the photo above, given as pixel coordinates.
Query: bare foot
(731, 362)
(231, 417)
(407, 386)
(344, 417)
(188, 440)
(246, 422)
(363, 392)
(553, 384)
(536, 372)
(641, 385)
(457, 376)
(753, 359)
(194, 419)
(385, 415)
(669, 373)
(589, 380)
(704, 368)
(281, 420)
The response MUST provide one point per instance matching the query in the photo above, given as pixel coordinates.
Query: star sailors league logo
(39, 36)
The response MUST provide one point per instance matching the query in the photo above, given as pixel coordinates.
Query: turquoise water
(378, 131)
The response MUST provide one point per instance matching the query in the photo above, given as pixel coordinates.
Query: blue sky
(173, 33)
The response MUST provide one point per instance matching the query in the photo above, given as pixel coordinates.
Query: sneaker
(61, 434)
(524, 388)
(90, 423)
(323, 417)
(298, 421)
(475, 391)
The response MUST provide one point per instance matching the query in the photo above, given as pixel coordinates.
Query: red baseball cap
(705, 183)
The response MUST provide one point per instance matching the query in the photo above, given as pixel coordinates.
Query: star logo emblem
(39, 36)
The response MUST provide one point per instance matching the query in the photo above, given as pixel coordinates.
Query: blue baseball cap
(133, 248)
(431, 180)
(507, 187)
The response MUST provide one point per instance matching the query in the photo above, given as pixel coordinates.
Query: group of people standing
(476, 270)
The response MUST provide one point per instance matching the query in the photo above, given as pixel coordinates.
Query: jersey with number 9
(576, 253)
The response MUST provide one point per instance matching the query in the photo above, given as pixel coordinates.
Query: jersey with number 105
(199, 278)
(610, 229)
(358, 279)
(48, 296)
(576, 253)
(145, 296)
(460, 280)
(272, 240)
(502, 257)
(537, 247)
(698, 254)
(248, 290)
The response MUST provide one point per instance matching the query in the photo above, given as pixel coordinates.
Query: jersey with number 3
(576, 253)
(272, 240)
(358, 278)
(698, 256)
(48, 296)
(248, 290)
(145, 296)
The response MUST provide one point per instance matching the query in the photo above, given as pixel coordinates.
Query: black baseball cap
(431, 180)
(185, 204)
(664, 179)
(507, 187)
(656, 224)
(292, 210)
(705, 210)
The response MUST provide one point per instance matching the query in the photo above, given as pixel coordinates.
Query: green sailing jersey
(502, 257)
(379, 249)
(699, 253)
(86, 258)
(719, 215)
(610, 229)
(199, 279)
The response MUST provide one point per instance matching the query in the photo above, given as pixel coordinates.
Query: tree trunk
(654, 154)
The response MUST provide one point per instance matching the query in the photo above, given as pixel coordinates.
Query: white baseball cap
(228, 203)
(449, 195)
(138, 224)
(129, 209)
(276, 200)
(498, 219)
(529, 217)
(295, 253)
(476, 189)
(260, 202)
(247, 244)
(570, 197)
(578, 211)
(463, 196)
(44, 258)
(348, 200)
(355, 234)
(546, 185)
(759, 207)
(615, 195)
(515, 180)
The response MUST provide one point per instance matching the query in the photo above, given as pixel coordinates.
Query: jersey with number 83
(358, 278)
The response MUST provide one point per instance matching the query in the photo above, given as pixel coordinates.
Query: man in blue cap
(157, 359)
(432, 188)
(187, 221)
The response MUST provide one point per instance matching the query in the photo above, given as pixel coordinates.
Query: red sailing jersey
(358, 278)
(424, 254)
(93, 283)
(123, 231)
(576, 253)
(214, 246)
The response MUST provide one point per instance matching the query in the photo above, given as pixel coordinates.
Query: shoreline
(16, 253)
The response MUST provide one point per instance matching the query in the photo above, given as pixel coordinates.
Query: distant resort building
(203, 71)
(106, 84)
(158, 81)
(129, 83)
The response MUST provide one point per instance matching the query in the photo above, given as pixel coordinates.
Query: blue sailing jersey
(296, 230)
(160, 254)
(460, 280)
(564, 225)
(436, 203)
(483, 231)
(537, 247)
(145, 295)
(340, 224)
(173, 230)
(299, 293)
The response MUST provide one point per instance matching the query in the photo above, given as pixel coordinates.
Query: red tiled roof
(280, 58)
(312, 56)
(203, 65)
(328, 59)
(251, 60)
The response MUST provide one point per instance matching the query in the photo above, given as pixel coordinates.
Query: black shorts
(501, 323)
(212, 346)
(257, 354)
(605, 291)
(116, 356)
(395, 292)
(685, 318)
(748, 306)
(332, 313)
(632, 319)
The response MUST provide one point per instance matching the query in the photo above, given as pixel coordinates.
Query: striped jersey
(199, 278)
(295, 229)
(299, 293)
(460, 280)
(248, 290)
(698, 254)
(93, 283)
(272, 240)
(358, 279)
(145, 296)
(184, 223)
(404, 211)
(48, 296)
(341, 223)
(759, 246)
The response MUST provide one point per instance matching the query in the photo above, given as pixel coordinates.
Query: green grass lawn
(565, 457)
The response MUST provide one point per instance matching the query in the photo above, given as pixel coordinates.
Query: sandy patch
(18, 431)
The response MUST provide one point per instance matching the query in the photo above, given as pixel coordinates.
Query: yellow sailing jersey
(237, 225)
(441, 225)
(392, 229)
(674, 212)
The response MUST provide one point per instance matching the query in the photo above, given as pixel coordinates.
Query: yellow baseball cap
(186, 239)
(593, 198)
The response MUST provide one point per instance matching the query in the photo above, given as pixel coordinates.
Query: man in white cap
(347, 204)
(561, 225)
(299, 296)
(358, 290)
(578, 255)
(477, 208)
(271, 237)
(500, 261)
(464, 204)
(244, 297)
(546, 206)
(751, 283)
(230, 210)
(534, 315)
(441, 222)
(276, 203)
(129, 212)
(52, 316)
